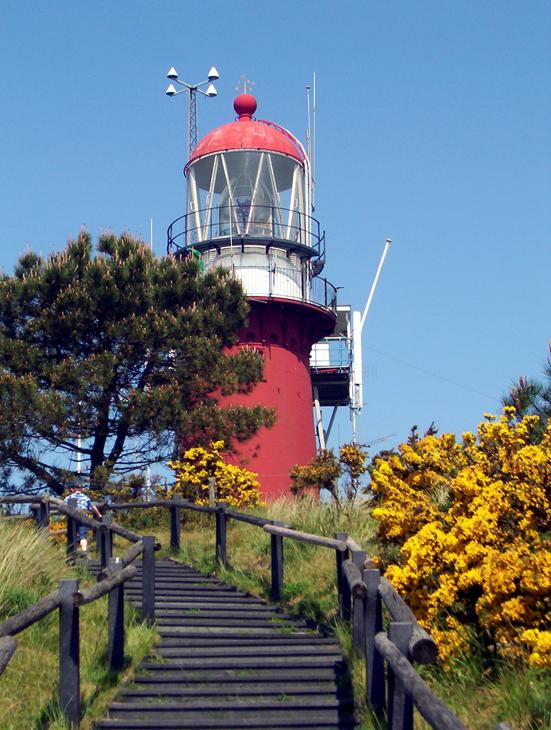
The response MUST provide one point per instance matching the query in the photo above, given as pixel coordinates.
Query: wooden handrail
(429, 705)
(94, 524)
(113, 506)
(353, 575)
(8, 645)
(22, 499)
(156, 503)
(30, 615)
(249, 519)
(352, 545)
(306, 537)
(422, 646)
(89, 595)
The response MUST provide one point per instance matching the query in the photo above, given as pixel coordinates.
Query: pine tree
(107, 358)
(531, 397)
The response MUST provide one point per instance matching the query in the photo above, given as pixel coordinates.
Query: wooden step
(227, 659)
(233, 631)
(193, 677)
(283, 650)
(233, 689)
(243, 662)
(245, 640)
(189, 620)
(286, 723)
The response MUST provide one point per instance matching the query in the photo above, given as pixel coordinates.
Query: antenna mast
(192, 89)
(309, 147)
(313, 163)
(192, 120)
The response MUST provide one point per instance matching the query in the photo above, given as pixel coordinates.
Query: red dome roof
(247, 134)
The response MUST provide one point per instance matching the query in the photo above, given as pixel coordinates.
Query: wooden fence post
(400, 706)
(277, 565)
(43, 515)
(69, 653)
(374, 664)
(115, 620)
(71, 531)
(148, 579)
(358, 622)
(106, 539)
(343, 588)
(175, 518)
(33, 509)
(221, 529)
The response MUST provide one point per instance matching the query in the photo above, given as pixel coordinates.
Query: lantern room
(248, 205)
(246, 193)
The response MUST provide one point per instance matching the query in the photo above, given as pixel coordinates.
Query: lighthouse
(249, 209)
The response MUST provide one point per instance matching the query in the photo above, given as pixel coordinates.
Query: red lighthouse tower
(248, 209)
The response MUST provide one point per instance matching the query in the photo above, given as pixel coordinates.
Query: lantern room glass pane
(246, 192)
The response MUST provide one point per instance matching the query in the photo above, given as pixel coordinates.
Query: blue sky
(433, 129)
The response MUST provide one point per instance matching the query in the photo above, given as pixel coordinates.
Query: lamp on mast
(193, 89)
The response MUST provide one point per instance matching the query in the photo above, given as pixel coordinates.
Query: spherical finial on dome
(245, 106)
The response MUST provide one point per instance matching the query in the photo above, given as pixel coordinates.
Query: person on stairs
(85, 504)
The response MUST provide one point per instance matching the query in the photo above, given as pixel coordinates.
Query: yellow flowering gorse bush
(472, 521)
(234, 485)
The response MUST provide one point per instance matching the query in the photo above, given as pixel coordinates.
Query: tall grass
(30, 567)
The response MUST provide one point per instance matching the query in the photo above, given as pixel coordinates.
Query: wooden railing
(393, 686)
(69, 597)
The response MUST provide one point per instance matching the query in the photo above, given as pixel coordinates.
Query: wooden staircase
(227, 659)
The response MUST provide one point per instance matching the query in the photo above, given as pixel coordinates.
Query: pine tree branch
(39, 470)
(68, 445)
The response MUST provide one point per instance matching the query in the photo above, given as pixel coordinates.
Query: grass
(30, 567)
(481, 697)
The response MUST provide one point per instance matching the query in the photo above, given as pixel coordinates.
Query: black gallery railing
(246, 220)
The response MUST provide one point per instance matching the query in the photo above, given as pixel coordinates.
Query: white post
(375, 281)
(356, 395)
(79, 455)
(319, 419)
(79, 442)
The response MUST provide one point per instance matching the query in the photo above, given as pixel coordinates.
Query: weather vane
(244, 84)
